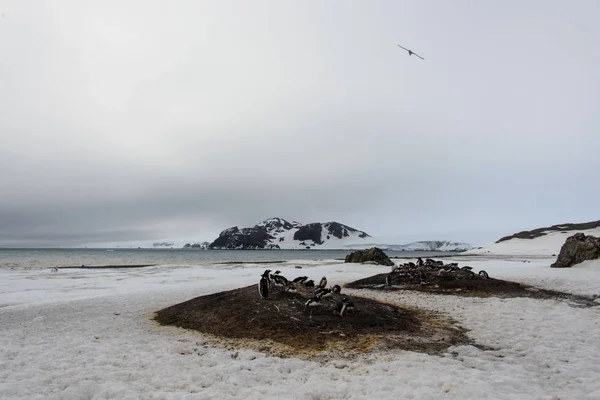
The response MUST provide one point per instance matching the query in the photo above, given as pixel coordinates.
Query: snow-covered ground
(544, 245)
(89, 334)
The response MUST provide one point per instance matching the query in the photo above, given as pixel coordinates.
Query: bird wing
(410, 51)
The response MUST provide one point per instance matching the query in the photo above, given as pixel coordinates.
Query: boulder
(373, 254)
(577, 248)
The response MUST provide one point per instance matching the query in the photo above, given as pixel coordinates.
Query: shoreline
(107, 266)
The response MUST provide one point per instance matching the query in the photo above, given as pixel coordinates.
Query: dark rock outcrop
(577, 248)
(309, 232)
(340, 230)
(247, 238)
(554, 228)
(373, 254)
(202, 246)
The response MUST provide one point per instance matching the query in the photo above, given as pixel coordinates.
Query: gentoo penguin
(267, 274)
(272, 276)
(347, 306)
(322, 293)
(300, 279)
(336, 289)
(323, 282)
(280, 280)
(263, 285)
(312, 302)
(484, 274)
(309, 283)
(465, 268)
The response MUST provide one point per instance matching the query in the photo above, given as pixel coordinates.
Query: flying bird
(410, 52)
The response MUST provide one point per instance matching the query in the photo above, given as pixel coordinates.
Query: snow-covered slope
(545, 245)
(277, 233)
(425, 245)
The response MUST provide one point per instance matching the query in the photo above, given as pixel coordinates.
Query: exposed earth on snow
(471, 288)
(281, 325)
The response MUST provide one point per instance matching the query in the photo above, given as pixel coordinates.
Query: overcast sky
(129, 121)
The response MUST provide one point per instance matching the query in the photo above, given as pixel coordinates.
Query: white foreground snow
(543, 246)
(88, 334)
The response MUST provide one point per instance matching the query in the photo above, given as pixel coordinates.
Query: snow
(333, 243)
(425, 245)
(89, 334)
(544, 245)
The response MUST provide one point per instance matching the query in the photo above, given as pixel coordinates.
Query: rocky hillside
(277, 233)
(535, 233)
(545, 241)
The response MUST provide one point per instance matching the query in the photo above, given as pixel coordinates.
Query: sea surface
(49, 258)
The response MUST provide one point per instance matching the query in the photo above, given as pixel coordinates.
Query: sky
(140, 121)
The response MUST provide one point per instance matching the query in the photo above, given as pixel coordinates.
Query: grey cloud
(127, 121)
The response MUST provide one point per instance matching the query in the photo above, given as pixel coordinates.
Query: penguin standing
(267, 274)
(347, 306)
(263, 285)
(323, 282)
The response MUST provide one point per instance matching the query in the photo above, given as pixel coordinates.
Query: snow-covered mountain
(425, 245)
(277, 233)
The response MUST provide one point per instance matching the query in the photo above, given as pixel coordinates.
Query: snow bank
(88, 334)
(547, 245)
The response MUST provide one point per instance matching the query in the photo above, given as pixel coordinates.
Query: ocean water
(48, 258)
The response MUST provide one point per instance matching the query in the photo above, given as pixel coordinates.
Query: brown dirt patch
(473, 288)
(281, 325)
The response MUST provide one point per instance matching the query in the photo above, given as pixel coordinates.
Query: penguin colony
(424, 272)
(321, 295)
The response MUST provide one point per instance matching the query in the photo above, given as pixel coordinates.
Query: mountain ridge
(535, 233)
(277, 233)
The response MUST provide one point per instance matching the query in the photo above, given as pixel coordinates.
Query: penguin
(322, 293)
(263, 286)
(336, 289)
(313, 302)
(291, 288)
(323, 282)
(272, 276)
(423, 277)
(347, 306)
(267, 274)
(300, 279)
(280, 280)
(309, 283)
(466, 268)
(484, 275)
(388, 279)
